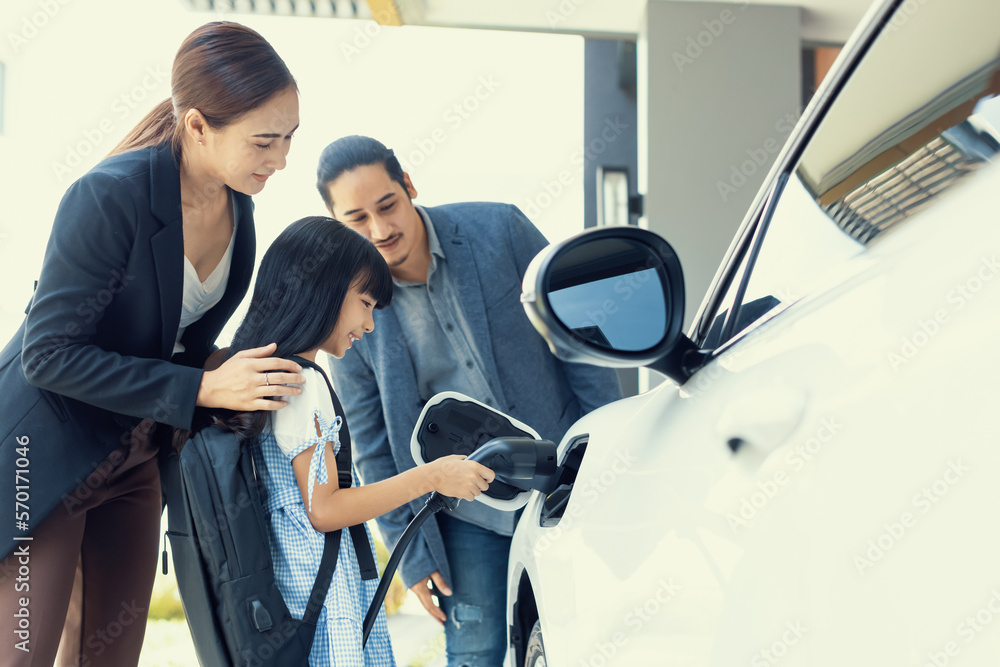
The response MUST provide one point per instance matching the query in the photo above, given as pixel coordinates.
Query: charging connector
(524, 463)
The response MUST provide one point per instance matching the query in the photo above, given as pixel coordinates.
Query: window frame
(715, 301)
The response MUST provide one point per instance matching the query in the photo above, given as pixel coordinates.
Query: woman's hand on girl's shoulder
(251, 380)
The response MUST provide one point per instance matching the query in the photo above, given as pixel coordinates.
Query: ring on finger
(267, 383)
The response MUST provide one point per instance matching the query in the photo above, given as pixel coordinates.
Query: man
(455, 324)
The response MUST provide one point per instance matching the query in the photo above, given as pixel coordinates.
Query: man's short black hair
(348, 153)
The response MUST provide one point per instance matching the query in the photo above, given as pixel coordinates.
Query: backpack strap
(364, 550)
(345, 478)
(331, 549)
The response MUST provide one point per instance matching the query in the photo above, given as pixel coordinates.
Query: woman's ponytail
(155, 128)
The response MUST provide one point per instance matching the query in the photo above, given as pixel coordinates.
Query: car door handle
(756, 423)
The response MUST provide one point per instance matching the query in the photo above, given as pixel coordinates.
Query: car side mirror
(611, 296)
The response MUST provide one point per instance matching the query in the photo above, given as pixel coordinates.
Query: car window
(918, 116)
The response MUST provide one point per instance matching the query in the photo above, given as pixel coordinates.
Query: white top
(294, 426)
(199, 297)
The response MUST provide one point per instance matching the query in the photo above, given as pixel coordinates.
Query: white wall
(81, 73)
(719, 92)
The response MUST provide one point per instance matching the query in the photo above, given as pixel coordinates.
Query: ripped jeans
(476, 630)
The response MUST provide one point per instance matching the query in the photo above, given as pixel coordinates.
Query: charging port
(555, 504)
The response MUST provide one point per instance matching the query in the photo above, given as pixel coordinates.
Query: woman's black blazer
(97, 341)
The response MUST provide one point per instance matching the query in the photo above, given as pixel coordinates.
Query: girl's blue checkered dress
(296, 547)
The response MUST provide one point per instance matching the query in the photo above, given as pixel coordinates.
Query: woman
(316, 289)
(149, 255)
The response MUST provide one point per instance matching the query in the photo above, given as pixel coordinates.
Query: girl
(150, 253)
(316, 289)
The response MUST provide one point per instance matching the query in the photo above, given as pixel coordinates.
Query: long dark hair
(301, 285)
(348, 153)
(224, 70)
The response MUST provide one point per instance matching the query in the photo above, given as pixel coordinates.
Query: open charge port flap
(555, 504)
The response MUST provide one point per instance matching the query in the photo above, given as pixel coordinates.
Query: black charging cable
(434, 504)
(522, 462)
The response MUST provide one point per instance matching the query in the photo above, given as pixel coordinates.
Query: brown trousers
(92, 563)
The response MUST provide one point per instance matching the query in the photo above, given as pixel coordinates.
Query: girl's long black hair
(300, 288)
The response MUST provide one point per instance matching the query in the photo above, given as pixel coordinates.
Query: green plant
(165, 603)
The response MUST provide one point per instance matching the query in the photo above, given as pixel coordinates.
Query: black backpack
(221, 551)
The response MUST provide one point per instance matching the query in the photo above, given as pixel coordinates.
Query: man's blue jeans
(476, 629)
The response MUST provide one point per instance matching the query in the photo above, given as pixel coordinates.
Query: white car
(818, 480)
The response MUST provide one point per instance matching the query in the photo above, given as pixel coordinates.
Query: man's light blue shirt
(444, 359)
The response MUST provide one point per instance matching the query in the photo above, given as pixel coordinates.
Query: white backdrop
(475, 115)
